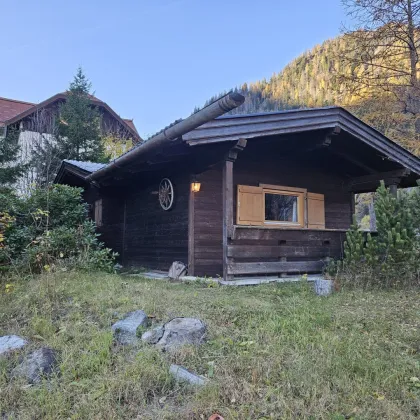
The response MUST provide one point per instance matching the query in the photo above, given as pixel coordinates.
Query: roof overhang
(80, 170)
(233, 128)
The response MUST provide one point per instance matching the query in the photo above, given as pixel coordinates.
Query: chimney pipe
(208, 113)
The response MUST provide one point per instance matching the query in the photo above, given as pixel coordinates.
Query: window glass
(281, 208)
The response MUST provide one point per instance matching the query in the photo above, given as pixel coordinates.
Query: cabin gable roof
(210, 133)
(233, 128)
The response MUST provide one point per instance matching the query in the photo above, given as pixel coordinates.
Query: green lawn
(273, 351)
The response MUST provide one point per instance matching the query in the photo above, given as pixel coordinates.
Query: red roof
(12, 110)
(9, 108)
(130, 123)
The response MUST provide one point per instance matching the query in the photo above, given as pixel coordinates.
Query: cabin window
(98, 213)
(279, 206)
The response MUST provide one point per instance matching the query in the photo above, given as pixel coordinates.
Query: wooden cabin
(259, 194)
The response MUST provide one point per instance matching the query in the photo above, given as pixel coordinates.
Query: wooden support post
(368, 183)
(191, 235)
(393, 189)
(123, 232)
(227, 212)
(227, 186)
(352, 206)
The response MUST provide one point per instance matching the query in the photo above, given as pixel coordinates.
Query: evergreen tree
(354, 245)
(390, 257)
(76, 134)
(10, 168)
(79, 124)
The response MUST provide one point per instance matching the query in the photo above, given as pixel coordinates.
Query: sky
(155, 60)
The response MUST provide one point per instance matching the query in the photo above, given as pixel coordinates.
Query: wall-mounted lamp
(195, 186)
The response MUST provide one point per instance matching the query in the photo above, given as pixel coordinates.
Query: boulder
(177, 270)
(154, 335)
(183, 375)
(36, 365)
(9, 343)
(180, 331)
(125, 330)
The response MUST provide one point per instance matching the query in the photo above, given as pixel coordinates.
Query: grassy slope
(278, 351)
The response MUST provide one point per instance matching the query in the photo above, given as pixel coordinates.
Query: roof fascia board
(378, 141)
(67, 167)
(288, 120)
(263, 131)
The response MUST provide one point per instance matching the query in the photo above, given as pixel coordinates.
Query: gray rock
(183, 375)
(182, 331)
(323, 287)
(9, 343)
(177, 270)
(154, 335)
(36, 365)
(125, 330)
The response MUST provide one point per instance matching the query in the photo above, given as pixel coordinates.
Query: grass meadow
(272, 352)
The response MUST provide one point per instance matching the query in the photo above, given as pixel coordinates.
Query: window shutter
(316, 211)
(250, 209)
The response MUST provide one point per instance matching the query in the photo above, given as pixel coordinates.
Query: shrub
(391, 256)
(50, 230)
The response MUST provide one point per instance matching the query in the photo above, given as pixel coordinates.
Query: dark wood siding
(208, 229)
(253, 167)
(154, 238)
(112, 229)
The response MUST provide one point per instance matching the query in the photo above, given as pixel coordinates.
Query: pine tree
(10, 168)
(354, 245)
(396, 229)
(79, 124)
(76, 134)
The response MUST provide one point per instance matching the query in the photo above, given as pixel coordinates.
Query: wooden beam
(352, 160)
(236, 268)
(390, 178)
(278, 251)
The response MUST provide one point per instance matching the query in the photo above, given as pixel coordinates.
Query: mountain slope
(312, 80)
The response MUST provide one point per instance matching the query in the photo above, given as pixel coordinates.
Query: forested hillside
(308, 81)
(315, 79)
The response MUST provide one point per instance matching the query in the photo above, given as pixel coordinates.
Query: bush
(50, 230)
(390, 257)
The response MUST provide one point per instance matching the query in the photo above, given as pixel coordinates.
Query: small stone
(154, 335)
(181, 331)
(36, 365)
(177, 270)
(125, 330)
(323, 287)
(183, 375)
(9, 343)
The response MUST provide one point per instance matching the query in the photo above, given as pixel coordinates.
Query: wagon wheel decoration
(166, 194)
